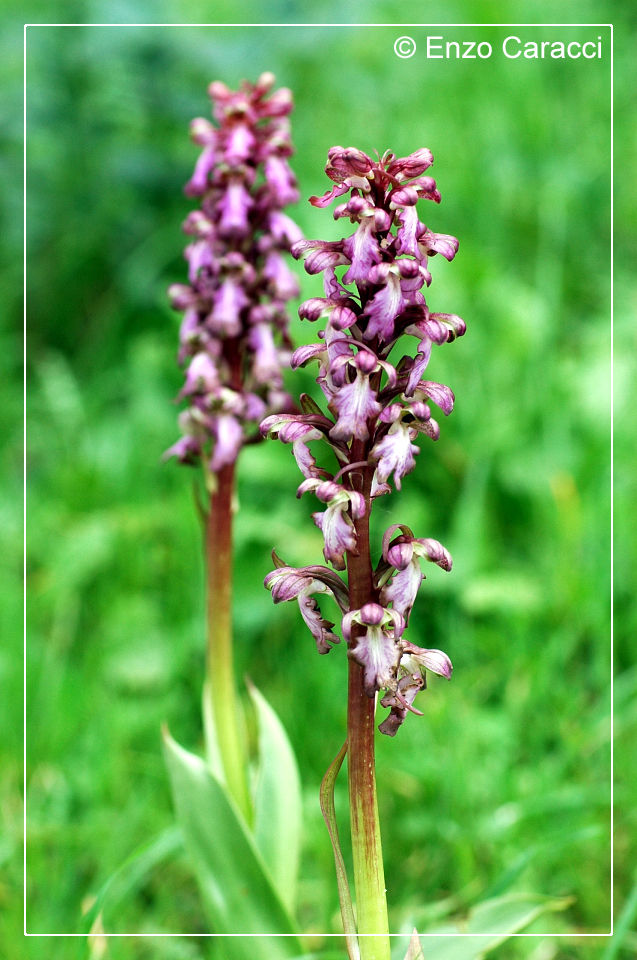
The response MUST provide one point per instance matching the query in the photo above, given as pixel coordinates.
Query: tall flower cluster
(378, 405)
(233, 336)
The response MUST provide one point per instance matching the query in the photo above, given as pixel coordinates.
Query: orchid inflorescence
(377, 410)
(234, 331)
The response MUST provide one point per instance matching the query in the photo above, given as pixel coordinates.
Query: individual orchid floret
(339, 310)
(356, 403)
(441, 395)
(398, 287)
(337, 522)
(228, 439)
(362, 250)
(395, 450)
(399, 575)
(412, 668)
(320, 254)
(234, 332)
(298, 429)
(301, 584)
(189, 446)
(337, 363)
(429, 328)
(349, 168)
(416, 659)
(374, 645)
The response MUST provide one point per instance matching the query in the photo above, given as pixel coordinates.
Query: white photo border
(570, 935)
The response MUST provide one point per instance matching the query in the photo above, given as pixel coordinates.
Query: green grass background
(504, 783)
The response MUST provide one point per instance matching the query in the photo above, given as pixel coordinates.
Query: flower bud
(343, 162)
(412, 166)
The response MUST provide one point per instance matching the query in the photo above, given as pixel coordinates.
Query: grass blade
(236, 887)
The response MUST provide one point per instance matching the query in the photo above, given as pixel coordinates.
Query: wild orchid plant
(377, 408)
(243, 832)
(234, 340)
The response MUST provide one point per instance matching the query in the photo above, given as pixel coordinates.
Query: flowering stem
(369, 878)
(233, 341)
(219, 660)
(378, 409)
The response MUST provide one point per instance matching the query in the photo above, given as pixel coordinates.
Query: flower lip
(338, 532)
(395, 452)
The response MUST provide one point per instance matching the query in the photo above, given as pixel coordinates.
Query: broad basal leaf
(237, 889)
(277, 802)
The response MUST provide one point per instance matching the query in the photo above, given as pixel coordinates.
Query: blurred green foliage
(504, 784)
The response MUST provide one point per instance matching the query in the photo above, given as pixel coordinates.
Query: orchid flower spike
(234, 334)
(376, 412)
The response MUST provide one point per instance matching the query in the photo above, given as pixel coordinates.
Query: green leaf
(489, 924)
(326, 798)
(237, 890)
(277, 801)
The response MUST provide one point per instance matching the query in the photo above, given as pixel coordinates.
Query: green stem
(228, 721)
(369, 877)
